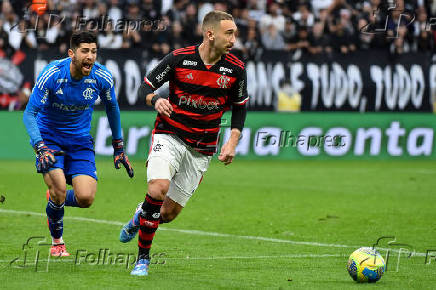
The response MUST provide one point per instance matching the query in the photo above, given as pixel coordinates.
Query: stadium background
(363, 70)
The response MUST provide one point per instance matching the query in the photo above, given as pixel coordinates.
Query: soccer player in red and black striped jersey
(204, 82)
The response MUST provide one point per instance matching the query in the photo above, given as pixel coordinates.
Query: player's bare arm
(160, 104)
(228, 150)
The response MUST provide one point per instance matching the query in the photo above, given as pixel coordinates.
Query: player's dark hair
(213, 18)
(79, 37)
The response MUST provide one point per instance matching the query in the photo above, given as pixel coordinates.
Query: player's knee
(85, 198)
(85, 201)
(158, 188)
(57, 193)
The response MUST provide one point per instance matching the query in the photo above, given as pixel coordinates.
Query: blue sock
(70, 199)
(55, 214)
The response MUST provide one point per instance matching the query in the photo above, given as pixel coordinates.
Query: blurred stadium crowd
(304, 26)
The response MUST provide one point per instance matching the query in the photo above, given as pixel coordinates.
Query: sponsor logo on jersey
(189, 62)
(70, 108)
(226, 69)
(87, 94)
(59, 92)
(189, 76)
(90, 81)
(156, 215)
(62, 81)
(160, 76)
(199, 103)
(223, 81)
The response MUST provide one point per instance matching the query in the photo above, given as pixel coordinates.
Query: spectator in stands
(176, 39)
(423, 38)
(251, 44)
(177, 11)
(9, 16)
(431, 7)
(162, 36)
(114, 12)
(203, 9)
(16, 35)
(318, 41)
(303, 16)
(191, 28)
(41, 33)
(110, 38)
(338, 5)
(242, 19)
(221, 5)
(341, 39)
(272, 39)
(90, 9)
(133, 13)
(289, 32)
(346, 22)
(131, 38)
(52, 31)
(146, 34)
(274, 17)
(300, 43)
(256, 9)
(151, 9)
(5, 49)
(397, 29)
(21, 33)
(365, 38)
(399, 46)
(319, 5)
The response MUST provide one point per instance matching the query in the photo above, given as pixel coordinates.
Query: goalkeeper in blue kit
(58, 121)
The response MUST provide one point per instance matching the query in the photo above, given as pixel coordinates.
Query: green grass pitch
(253, 224)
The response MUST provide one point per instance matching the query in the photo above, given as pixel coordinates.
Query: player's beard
(84, 67)
(227, 49)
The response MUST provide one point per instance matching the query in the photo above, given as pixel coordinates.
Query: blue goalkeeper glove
(121, 157)
(46, 156)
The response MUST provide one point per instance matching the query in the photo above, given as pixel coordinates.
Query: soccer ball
(366, 265)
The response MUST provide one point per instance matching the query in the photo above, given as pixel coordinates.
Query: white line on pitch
(296, 256)
(203, 233)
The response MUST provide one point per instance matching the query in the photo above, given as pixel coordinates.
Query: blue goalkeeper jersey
(62, 105)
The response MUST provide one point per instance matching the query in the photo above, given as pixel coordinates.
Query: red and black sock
(148, 224)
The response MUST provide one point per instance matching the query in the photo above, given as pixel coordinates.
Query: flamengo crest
(223, 81)
(87, 94)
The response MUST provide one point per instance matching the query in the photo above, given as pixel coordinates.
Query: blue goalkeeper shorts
(79, 156)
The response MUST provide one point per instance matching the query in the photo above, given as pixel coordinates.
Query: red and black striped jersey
(199, 95)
